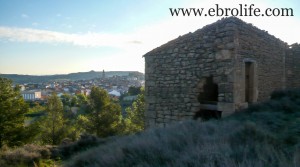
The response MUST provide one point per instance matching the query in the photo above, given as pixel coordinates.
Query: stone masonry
(293, 66)
(223, 67)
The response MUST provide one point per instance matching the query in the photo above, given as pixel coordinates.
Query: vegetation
(266, 134)
(134, 91)
(84, 143)
(12, 115)
(132, 94)
(38, 124)
(103, 117)
(28, 155)
(52, 126)
(134, 120)
(47, 155)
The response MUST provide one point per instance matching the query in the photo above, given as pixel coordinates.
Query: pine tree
(105, 116)
(12, 114)
(135, 120)
(53, 125)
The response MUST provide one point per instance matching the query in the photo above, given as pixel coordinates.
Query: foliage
(135, 120)
(82, 99)
(57, 125)
(263, 135)
(134, 90)
(52, 126)
(74, 101)
(66, 99)
(34, 114)
(12, 111)
(28, 155)
(104, 117)
(36, 109)
(84, 143)
(281, 101)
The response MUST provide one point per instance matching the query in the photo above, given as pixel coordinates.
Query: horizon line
(71, 72)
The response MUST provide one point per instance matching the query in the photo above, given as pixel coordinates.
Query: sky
(43, 37)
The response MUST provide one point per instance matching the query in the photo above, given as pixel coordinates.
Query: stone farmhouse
(223, 67)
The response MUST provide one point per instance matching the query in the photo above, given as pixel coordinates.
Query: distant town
(115, 85)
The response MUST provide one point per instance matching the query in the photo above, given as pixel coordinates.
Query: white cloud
(148, 37)
(89, 39)
(151, 36)
(25, 16)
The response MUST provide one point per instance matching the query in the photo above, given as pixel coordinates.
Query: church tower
(103, 74)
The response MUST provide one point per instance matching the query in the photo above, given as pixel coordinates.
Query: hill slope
(267, 134)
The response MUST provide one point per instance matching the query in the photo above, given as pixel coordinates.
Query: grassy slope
(267, 134)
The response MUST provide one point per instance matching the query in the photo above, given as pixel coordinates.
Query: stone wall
(176, 73)
(293, 66)
(268, 56)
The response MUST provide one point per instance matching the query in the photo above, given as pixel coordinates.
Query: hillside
(266, 134)
(72, 76)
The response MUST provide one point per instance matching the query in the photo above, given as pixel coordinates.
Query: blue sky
(63, 36)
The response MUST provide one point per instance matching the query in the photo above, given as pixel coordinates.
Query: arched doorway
(209, 94)
(208, 99)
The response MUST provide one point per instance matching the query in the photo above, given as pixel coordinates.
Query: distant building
(32, 95)
(103, 74)
(85, 92)
(114, 93)
(66, 89)
(22, 87)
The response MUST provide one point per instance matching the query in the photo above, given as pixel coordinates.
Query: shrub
(27, 155)
(291, 93)
(84, 143)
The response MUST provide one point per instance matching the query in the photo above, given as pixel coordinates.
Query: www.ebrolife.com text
(240, 10)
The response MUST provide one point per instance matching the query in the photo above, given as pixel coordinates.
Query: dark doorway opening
(208, 99)
(249, 82)
(210, 92)
(205, 114)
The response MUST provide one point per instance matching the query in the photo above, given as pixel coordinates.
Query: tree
(66, 99)
(105, 116)
(135, 119)
(134, 90)
(74, 101)
(53, 126)
(82, 99)
(12, 114)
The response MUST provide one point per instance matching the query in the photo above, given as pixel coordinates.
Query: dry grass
(263, 135)
(27, 155)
